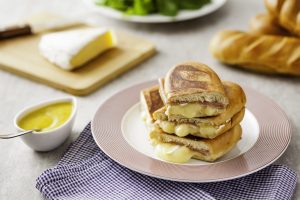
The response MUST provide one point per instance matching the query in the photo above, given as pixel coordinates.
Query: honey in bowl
(47, 118)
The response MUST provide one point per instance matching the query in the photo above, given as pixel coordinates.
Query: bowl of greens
(154, 11)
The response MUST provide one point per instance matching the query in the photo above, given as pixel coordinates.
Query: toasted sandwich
(193, 90)
(180, 149)
(177, 149)
(206, 127)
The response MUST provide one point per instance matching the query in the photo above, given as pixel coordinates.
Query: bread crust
(263, 53)
(266, 24)
(193, 82)
(287, 13)
(151, 100)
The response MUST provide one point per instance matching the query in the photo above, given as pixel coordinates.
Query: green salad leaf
(121, 5)
(193, 4)
(146, 7)
(168, 7)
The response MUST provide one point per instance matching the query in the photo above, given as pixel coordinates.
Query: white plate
(157, 18)
(135, 133)
(273, 139)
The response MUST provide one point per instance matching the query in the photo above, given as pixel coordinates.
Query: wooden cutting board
(21, 56)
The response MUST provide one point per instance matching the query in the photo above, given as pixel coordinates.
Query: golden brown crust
(161, 82)
(207, 149)
(151, 100)
(192, 82)
(225, 142)
(287, 13)
(265, 24)
(273, 6)
(264, 53)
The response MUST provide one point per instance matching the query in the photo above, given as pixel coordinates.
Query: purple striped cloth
(85, 172)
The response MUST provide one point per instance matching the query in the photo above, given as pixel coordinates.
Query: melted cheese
(191, 110)
(173, 153)
(72, 49)
(183, 130)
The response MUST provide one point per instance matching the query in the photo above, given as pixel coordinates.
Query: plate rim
(156, 18)
(289, 127)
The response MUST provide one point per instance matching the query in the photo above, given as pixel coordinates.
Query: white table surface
(20, 166)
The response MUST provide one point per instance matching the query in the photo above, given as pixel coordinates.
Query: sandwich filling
(191, 110)
(205, 130)
(183, 130)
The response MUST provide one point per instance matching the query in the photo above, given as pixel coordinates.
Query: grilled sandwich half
(206, 127)
(193, 89)
(180, 149)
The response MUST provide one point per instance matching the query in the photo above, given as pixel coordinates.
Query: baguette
(265, 24)
(287, 13)
(264, 53)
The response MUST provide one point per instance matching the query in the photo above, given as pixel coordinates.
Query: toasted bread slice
(192, 90)
(192, 82)
(202, 149)
(150, 102)
(189, 110)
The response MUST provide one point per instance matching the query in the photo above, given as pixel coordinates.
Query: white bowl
(156, 18)
(47, 140)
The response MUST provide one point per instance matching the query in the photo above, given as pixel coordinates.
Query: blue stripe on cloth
(85, 172)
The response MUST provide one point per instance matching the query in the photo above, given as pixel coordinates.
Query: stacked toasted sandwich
(192, 114)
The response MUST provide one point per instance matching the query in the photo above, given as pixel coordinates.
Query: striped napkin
(85, 172)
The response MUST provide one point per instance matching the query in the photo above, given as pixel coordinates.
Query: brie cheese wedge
(72, 49)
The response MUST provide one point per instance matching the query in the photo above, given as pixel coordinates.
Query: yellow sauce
(47, 118)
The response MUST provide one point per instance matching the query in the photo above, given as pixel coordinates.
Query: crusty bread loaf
(203, 149)
(193, 82)
(265, 24)
(264, 53)
(287, 13)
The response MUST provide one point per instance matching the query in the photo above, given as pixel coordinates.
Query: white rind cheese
(61, 47)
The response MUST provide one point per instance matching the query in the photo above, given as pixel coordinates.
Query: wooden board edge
(85, 90)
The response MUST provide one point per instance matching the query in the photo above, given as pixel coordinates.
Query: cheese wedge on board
(72, 49)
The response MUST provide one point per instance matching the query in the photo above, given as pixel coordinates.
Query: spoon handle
(8, 136)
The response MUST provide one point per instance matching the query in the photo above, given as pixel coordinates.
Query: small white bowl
(47, 140)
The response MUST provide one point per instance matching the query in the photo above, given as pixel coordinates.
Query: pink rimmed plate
(120, 133)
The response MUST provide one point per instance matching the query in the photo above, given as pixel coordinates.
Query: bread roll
(287, 13)
(265, 24)
(264, 53)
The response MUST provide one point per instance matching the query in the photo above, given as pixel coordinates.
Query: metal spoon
(8, 136)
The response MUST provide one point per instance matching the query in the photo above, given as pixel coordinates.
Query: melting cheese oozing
(191, 110)
(183, 130)
(173, 153)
